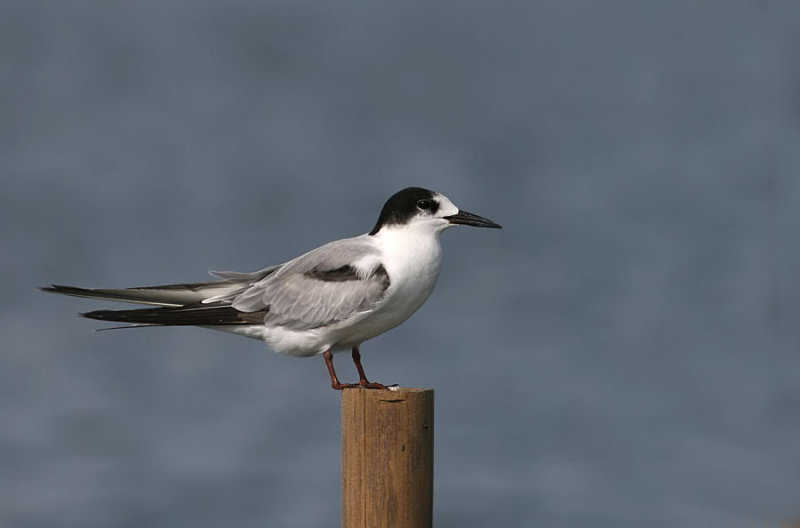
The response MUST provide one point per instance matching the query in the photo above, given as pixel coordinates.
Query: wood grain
(387, 458)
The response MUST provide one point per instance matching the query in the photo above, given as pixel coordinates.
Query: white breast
(412, 261)
(413, 264)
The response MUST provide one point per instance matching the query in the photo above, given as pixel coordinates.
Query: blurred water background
(624, 353)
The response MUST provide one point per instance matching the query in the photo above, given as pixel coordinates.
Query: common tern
(330, 299)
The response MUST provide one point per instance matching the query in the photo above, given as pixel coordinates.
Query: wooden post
(387, 458)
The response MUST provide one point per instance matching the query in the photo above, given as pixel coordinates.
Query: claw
(364, 384)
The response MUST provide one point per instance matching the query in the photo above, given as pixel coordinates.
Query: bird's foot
(341, 386)
(363, 384)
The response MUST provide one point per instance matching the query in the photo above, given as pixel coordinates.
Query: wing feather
(319, 288)
(231, 284)
(167, 295)
(332, 283)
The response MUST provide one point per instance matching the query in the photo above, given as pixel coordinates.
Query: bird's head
(418, 208)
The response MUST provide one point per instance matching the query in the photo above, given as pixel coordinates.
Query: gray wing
(319, 288)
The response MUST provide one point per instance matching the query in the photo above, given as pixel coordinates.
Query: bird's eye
(424, 204)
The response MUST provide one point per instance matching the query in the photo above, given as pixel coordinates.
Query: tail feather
(191, 315)
(191, 304)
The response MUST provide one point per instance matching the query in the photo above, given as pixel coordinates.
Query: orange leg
(362, 378)
(363, 382)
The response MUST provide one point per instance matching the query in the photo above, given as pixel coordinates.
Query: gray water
(624, 353)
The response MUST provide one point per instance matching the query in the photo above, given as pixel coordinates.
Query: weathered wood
(387, 458)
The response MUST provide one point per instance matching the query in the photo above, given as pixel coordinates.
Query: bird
(330, 299)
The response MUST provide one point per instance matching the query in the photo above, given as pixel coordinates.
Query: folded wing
(321, 288)
(330, 284)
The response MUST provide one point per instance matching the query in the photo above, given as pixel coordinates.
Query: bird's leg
(335, 383)
(362, 378)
